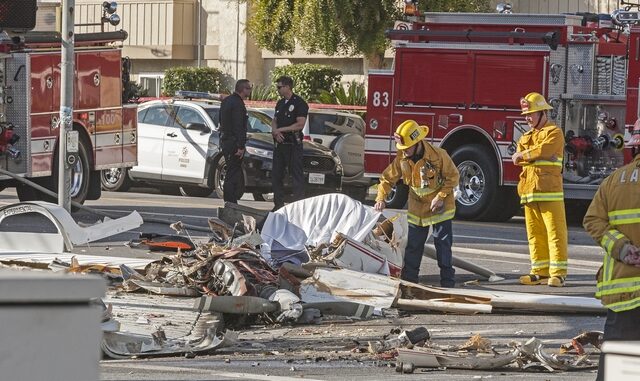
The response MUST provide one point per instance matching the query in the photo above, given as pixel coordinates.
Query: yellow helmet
(409, 133)
(533, 102)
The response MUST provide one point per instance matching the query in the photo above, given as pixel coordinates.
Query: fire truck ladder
(549, 38)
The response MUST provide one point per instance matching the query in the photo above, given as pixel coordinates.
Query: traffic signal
(18, 15)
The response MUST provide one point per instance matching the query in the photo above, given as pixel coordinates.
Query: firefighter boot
(532, 279)
(556, 281)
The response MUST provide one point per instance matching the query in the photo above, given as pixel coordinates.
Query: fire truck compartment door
(379, 128)
(469, 78)
(185, 150)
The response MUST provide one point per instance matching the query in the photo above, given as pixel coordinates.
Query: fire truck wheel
(397, 198)
(115, 179)
(480, 198)
(79, 175)
(195, 191)
(510, 204)
(27, 193)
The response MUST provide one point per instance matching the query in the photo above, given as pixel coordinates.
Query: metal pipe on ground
(443, 306)
(430, 252)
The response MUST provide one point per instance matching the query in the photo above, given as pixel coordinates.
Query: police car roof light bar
(186, 94)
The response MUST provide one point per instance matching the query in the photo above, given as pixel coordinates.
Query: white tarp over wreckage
(317, 220)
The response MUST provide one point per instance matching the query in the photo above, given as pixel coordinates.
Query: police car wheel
(220, 172)
(115, 179)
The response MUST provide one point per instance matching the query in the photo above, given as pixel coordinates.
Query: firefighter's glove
(630, 255)
(437, 204)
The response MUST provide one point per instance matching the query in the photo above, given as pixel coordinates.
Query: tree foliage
(322, 26)
(336, 26)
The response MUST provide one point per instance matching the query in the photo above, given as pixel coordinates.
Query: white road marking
(177, 369)
(502, 254)
(521, 241)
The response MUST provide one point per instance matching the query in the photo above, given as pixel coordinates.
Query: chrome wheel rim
(222, 171)
(112, 175)
(77, 178)
(472, 182)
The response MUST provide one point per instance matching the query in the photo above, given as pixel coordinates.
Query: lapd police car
(178, 150)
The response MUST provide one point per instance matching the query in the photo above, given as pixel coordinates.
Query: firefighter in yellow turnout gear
(613, 221)
(431, 177)
(540, 153)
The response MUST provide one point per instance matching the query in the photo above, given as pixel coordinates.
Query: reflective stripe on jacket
(541, 176)
(434, 173)
(613, 221)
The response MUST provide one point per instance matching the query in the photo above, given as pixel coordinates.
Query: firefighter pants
(287, 156)
(233, 186)
(547, 235)
(619, 326)
(442, 240)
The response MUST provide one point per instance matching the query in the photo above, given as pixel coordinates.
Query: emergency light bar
(549, 38)
(185, 94)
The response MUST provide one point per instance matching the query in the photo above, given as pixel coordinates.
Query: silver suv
(343, 133)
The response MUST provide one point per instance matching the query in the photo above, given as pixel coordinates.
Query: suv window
(158, 115)
(187, 115)
(332, 124)
(259, 122)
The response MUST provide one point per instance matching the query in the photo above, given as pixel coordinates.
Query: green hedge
(192, 79)
(309, 79)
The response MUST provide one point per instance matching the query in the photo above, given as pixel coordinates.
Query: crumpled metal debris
(404, 339)
(478, 353)
(120, 345)
(595, 338)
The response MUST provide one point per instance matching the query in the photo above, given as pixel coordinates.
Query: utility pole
(66, 141)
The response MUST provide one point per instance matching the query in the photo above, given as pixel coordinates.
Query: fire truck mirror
(18, 15)
(72, 141)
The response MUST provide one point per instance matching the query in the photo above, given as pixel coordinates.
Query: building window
(152, 83)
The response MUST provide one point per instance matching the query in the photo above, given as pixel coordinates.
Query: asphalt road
(324, 351)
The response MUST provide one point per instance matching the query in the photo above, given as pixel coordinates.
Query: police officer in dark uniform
(233, 137)
(286, 128)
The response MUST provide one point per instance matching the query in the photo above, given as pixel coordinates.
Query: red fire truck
(464, 74)
(30, 106)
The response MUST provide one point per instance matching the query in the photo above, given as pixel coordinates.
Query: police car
(178, 151)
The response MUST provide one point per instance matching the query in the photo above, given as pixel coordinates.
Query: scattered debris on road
(326, 260)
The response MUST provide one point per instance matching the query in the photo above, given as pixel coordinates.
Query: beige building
(561, 6)
(169, 33)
